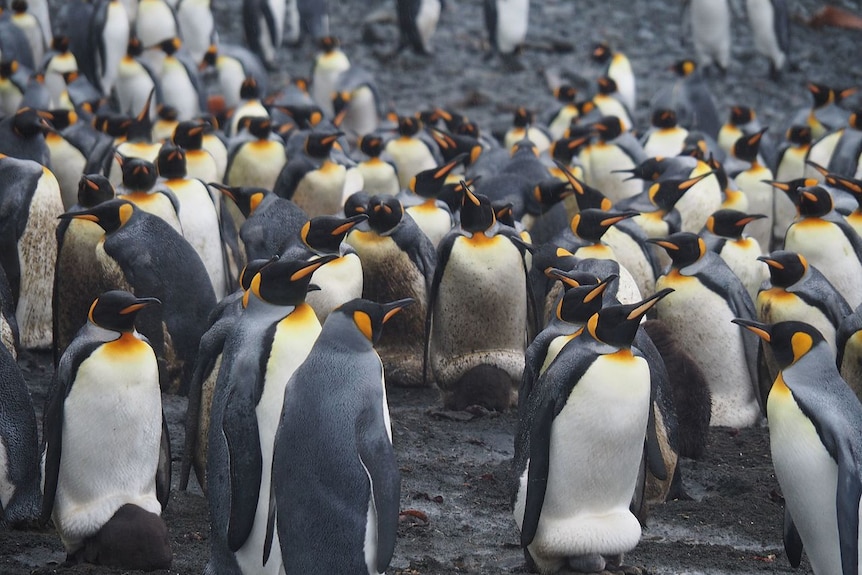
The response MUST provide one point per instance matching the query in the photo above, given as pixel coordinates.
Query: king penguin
(815, 443)
(117, 483)
(770, 26)
(708, 24)
(345, 453)
(417, 23)
(506, 22)
(723, 235)
(268, 343)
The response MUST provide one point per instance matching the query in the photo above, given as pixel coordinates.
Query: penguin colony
(285, 254)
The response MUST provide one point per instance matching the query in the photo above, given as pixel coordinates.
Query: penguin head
(523, 117)
(591, 224)
(429, 183)
(583, 297)
(792, 187)
(60, 43)
(550, 192)
(477, 214)
(369, 317)
(8, 68)
(110, 215)
(799, 135)
(814, 202)
(601, 52)
(251, 269)
(371, 145)
(565, 94)
(210, 57)
(285, 282)
(70, 77)
(189, 135)
(608, 128)
(384, 213)
(684, 68)
(171, 162)
(850, 185)
(112, 124)
(789, 340)
(258, 126)
(786, 268)
(247, 199)
(167, 113)
(504, 213)
(649, 170)
(134, 48)
(666, 193)
(567, 147)
(822, 94)
(304, 115)
(319, 144)
(607, 85)
(746, 148)
(467, 128)
(617, 325)
(855, 120)
(138, 174)
(586, 196)
(324, 234)
(697, 144)
(408, 126)
(116, 310)
(19, 6)
(28, 123)
(329, 44)
(730, 223)
(170, 46)
(60, 119)
(356, 204)
(249, 89)
(684, 248)
(93, 189)
(663, 119)
(741, 115)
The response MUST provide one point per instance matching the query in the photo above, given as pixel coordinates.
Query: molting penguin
(106, 491)
(347, 456)
(815, 442)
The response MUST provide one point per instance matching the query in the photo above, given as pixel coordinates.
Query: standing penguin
(707, 295)
(345, 454)
(506, 22)
(409, 152)
(815, 443)
(20, 501)
(617, 67)
(398, 260)
(269, 341)
(263, 24)
(564, 517)
(724, 236)
(477, 311)
(708, 22)
(770, 25)
(106, 491)
(328, 66)
(615, 151)
(753, 181)
(417, 22)
(256, 161)
(142, 253)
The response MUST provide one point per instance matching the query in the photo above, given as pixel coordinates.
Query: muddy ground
(454, 466)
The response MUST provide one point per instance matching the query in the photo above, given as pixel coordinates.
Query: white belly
(258, 166)
(339, 281)
(178, 90)
(699, 201)
(411, 156)
(741, 257)
(512, 20)
(760, 201)
(320, 191)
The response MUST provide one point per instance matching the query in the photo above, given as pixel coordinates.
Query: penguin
(58, 61)
(707, 296)
(22, 135)
(432, 215)
(690, 98)
(110, 26)
(141, 252)
(789, 165)
(142, 187)
(614, 151)
(708, 24)
(68, 162)
(665, 137)
(563, 520)
(197, 213)
(417, 23)
(813, 440)
(329, 64)
(30, 26)
(853, 187)
(138, 143)
(352, 463)
(378, 176)
(92, 476)
(314, 181)
(13, 83)
(506, 22)
(167, 119)
(357, 104)
(769, 21)
(155, 22)
(849, 352)
(478, 311)
(258, 160)
(135, 81)
(263, 24)
(524, 127)
(723, 235)
(269, 341)
(564, 112)
(20, 474)
(752, 181)
(75, 277)
(311, 19)
(398, 260)
(200, 162)
(31, 205)
(616, 66)
(828, 242)
(742, 121)
(196, 27)
(232, 65)
(607, 101)
(825, 114)
(14, 44)
(181, 86)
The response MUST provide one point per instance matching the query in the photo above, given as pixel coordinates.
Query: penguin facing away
(92, 476)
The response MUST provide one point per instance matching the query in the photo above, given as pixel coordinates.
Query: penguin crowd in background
(172, 220)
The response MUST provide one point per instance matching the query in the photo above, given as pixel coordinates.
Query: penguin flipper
(444, 249)
(490, 11)
(52, 447)
(378, 459)
(848, 494)
(537, 475)
(290, 176)
(781, 21)
(792, 541)
(246, 464)
(410, 36)
(163, 470)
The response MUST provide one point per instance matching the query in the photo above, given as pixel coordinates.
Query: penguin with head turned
(723, 234)
(269, 341)
(142, 253)
(334, 471)
(106, 491)
(815, 442)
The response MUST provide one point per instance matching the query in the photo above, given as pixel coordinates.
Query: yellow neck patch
(801, 343)
(363, 322)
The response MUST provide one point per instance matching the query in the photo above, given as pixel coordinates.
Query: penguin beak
(647, 304)
(558, 274)
(600, 289)
(629, 171)
(447, 169)
(779, 185)
(141, 303)
(771, 262)
(392, 308)
(607, 222)
(668, 245)
(349, 224)
(689, 183)
(745, 221)
(310, 267)
(817, 167)
(223, 189)
(762, 330)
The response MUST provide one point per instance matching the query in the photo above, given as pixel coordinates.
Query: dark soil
(455, 508)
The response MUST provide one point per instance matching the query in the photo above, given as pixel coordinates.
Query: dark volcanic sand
(454, 467)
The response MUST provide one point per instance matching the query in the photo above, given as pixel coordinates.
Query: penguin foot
(484, 385)
(593, 563)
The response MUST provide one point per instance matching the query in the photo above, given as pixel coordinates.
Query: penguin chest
(434, 221)
(411, 156)
(319, 192)
(107, 465)
(133, 85)
(157, 204)
(230, 76)
(512, 19)
(741, 257)
(115, 36)
(775, 305)
(178, 90)
(379, 177)
(632, 257)
(554, 350)
(700, 201)
(339, 281)
(257, 164)
(67, 163)
(826, 247)
(600, 166)
(155, 22)
(10, 97)
(361, 116)
(388, 273)
(808, 476)
(851, 363)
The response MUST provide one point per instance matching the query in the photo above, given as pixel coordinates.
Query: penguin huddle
(287, 271)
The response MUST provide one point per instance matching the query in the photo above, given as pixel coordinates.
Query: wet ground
(455, 510)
